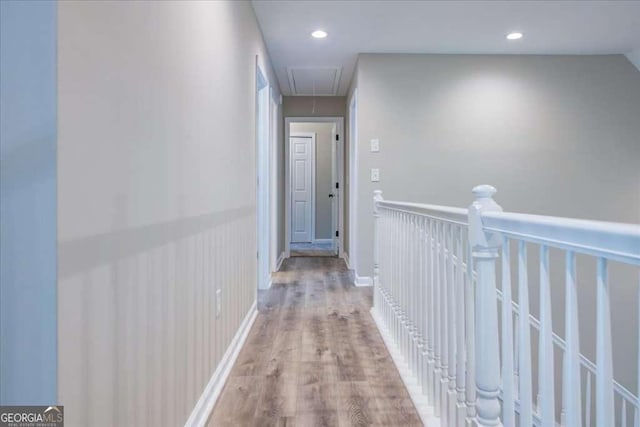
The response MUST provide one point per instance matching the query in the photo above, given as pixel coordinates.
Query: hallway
(314, 357)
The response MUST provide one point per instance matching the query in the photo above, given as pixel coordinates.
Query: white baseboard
(207, 401)
(345, 257)
(410, 381)
(280, 261)
(363, 280)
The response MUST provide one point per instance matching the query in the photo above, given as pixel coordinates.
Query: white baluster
(438, 317)
(485, 252)
(427, 308)
(470, 326)
(516, 356)
(444, 334)
(546, 398)
(461, 410)
(431, 345)
(524, 343)
(604, 363)
(415, 298)
(508, 406)
(452, 333)
(623, 413)
(377, 198)
(587, 400)
(571, 364)
(636, 417)
(422, 307)
(412, 295)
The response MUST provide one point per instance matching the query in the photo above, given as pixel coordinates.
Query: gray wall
(557, 135)
(157, 202)
(324, 180)
(28, 203)
(552, 133)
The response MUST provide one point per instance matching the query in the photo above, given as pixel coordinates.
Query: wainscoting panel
(139, 337)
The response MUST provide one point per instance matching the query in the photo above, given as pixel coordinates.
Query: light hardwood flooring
(314, 357)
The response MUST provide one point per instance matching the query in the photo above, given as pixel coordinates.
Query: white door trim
(263, 166)
(339, 121)
(312, 155)
(273, 181)
(353, 180)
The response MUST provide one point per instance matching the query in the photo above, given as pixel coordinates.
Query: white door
(302, 173)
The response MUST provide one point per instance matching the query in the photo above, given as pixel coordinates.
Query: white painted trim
(634, 57)
(287, 229)
(311, 135)
(273, 179)
(322, 241)
(279, 262)
(362, 280)
(353, 179)
(345, 257)
(202, 410)
(408, 378)
(262, 146)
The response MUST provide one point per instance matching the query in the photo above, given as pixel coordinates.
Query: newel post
(485, 251)
(377, 197)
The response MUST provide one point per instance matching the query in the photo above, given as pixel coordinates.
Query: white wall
(157, 202)
(27, 203)
(323, 177)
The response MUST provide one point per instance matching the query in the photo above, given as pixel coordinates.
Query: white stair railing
(451, 330)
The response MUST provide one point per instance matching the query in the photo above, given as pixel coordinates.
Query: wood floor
(314, 357)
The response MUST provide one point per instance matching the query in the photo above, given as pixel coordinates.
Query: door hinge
(337, 137)
(337, 185)
(337, 233)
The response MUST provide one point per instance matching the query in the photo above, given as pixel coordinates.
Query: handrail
(445, 213)
(618, 242)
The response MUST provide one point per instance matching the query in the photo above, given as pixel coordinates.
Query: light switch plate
(375, 145)
(375, 175)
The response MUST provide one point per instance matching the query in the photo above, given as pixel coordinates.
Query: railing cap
(484, 191)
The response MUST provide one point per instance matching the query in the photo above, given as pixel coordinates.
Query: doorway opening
(313, 186)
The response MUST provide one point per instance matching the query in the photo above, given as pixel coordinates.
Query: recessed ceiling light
(514, 36)
(319, 34)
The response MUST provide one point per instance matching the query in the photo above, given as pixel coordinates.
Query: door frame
(339, 122)
(263, 167)
(312, 154)
(353, 182)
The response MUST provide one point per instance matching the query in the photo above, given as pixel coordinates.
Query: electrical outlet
(375, 175)
(375, 145)
(218, 302)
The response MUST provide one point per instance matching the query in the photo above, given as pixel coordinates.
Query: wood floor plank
(237, 403)
(314, 357)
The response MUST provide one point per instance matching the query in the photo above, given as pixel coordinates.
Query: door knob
(330, 194)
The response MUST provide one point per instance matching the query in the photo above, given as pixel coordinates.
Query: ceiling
(471, 27)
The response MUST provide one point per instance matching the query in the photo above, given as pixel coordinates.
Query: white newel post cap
(483, 202)
(484, 191)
